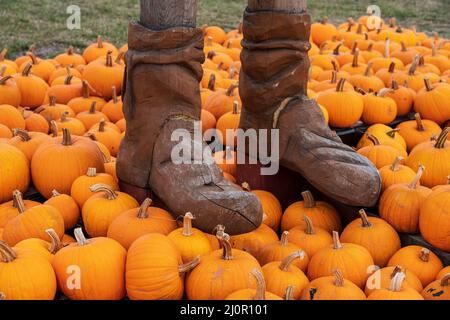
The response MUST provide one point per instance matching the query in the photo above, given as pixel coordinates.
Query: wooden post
(282, 5)
(164, 14)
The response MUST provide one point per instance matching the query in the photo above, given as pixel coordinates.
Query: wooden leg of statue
(159, 154)
(273, 84)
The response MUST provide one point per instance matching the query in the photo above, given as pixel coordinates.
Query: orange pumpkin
(418, 131)
(40, 68)
(254, 241)
(378, 108)
(98, 49)
(403, 97)
(70, 88)
(385, 135)
(36, 123)
(9, 92)
(438, 289)
(433, 102)
(396, 291)
(381, 155)
(28, 142)
(222, 101)
(395, 174)
(67, 207)
(113, 109)
(366, 81)
(75, 126)
(322, 31)
(54, 110)
(70, 58)
(9, 210)
(5, 132)
(227, 126)
(109, 137)
(46, 249)
(381, 279)
(14, 173)
(11, 117)
(85, 101)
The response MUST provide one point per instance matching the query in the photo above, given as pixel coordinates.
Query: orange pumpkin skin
(310, 239)
(46, 249)
(281, 250)
(435, 156)
(28, 142)
(213, 241)
(221, 273)
(33, 89)
(396, 291)
(400, 204)
(70, 58)
(381, 279)
(191, 242)
(67, 207)
(433, 102)
(438, 289)
(71, 88)
(418, 131)
(379, 109)
(227, 126)
(100, 210)
(9, 210)
(100, 266)
(422, 262)
(434, 220)
(395, 174)
(386, 136)
(254, 241)
(98, 49)
(280, 274)
(70, 157)
(113, 109)
(5, 132)
(381, 155)
(61, 72)
(74, 125)
(53, 110)
(80, 191)
(11, 117)
(111, 138)
(14, 173)
(36, 123)
(322, 214)
(222, 101)
(32, 223)
(332, 288)
(9, 92)
(443, 272)
(353, 259)
(374, 234)
(403, 97)
(25, 275)
(322, 31)
(153, 269)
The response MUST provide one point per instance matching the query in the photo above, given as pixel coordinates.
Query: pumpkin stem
(404, 49)
(102, 125)
(397, 282)
(420, 126)
(396, 165)
(67, 138)
(365, 219)
(91, 172)
(416, 180)
(235, 107)
(68, 80)
(211, 54)
(99, 42)
(212, 82)
(23, 134)
(391, 67)
(18, 201)
(392, 132)
(114, 94)
(370, 47)
(92, 108)
(55, 193)
(442, 139)
(338, 278)
(396, 270)
(387, 48)
(359, 30)
(354, 47)
(414, 64)
(336, 242)
(33, 58)
(373, 139)
(85, 89)
(231, 89)
(64, 117)
(120, 57)
(308, 200)
(79, 236)
(187, 224)
(246, 186)
(70, 51)
(260, 285)
(383, 92)
(185, 268)
(53, 128)
(109, 60)
(368, 69)
(325, 20)
(143, 210)
(355, 63)
(7, 253)
(287, 262)
(309, 225)
(340, 85)
(289, 294)
(425, 255)
(428, 84)
(284, 239)
(333, 77)
(55, 241)
(27, 70)
(52, 101)
(336, 52)
(111, 195)
(224, 240)
(5, 79)
(445, 281)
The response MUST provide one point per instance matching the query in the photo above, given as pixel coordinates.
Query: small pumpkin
(222, 101)
(385, 135)
(322, 214)
(28, 142)
(65, 89)
(417, 131)
(395, 173)
(98, 49)
(113, 109)
(14, 173)
(332, 288)
(438, 289)
(374, 234)
(70, 58)
(381, 279)
(109, 137)
(259, 294)
(91, 269)
(73, 124)
(10, 209)
(381, 155)
(421, 261)
(11, 117)
(354, 261)
(67, 207)
(396, 291)
(322, 31)
(254, 241)
(190, 241)
(227, 126)
(400, 204)
(40, 68)
(378, 108)
(433, 102)
(24, 275)
(46, 249)
(366, 81)
(85, 101)
(36, 123)
(9, 92)
(403, 97)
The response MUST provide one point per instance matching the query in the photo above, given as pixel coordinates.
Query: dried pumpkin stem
(67, 138)
(336, 53)
(260, 285)
(287, 262)
(428, 84)
(91, 172)
(99, 42)
(309, 226)
(27, 70)
(445, 281)
(79, 236)
(70, 51)
(85, 92)
(415, 182)
(284, 238)
(396, 270)
(109, 60)
(187, 224)
(368, 69)
(392, 67)
(393, 132)
(442, 139)
(64, 117)
(231, 89)
(340, 85)
(184, 268)
(68, 80)
(212, 82)
(425, 255)
(54, 128)
(397, 282)
(246, 186)
(308, 199)
(336, 242)
(52, 101)
(235, 107)
(338, 278)
(289, 294)
(24, 135)
(143, 210)
(396, 165)
(111, 195)
(365, 219)
(225, 242)
(102, 125)
(355, 62)
(414, 65)
(92, 108)
(5, 79)
(420, 126)
(55, 193)
(334, 77)
(55, 241)
(373, 139)
(7, 253)
(18, 201)
(114, 95)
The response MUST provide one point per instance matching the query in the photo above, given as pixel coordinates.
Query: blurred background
(44, 22)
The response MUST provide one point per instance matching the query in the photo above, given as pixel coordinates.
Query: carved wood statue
(162, 95)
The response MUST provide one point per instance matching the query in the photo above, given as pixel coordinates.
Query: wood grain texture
(282, 5)
(164, 14)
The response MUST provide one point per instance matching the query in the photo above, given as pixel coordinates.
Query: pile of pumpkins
(61, 124)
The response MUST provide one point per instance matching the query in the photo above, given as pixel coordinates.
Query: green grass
(44, 21)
